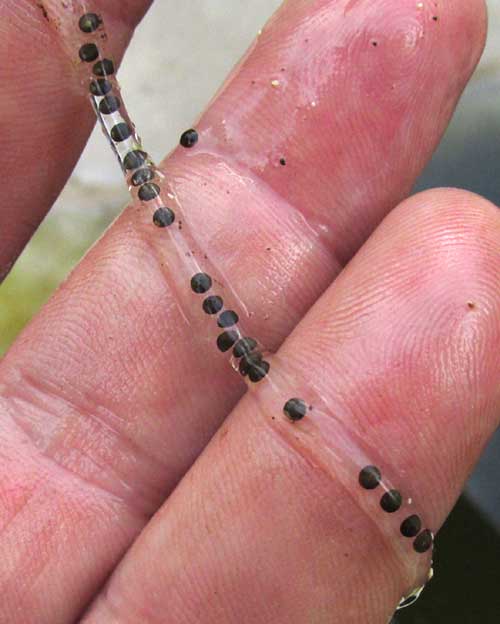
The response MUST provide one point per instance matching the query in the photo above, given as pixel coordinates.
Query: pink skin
(110, 397)
(258, 530)
(42, 133)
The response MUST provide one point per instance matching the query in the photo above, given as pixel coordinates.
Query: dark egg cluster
(102, 84)
(102, 70)
(391, 501)
(245, 349)
(143, 178)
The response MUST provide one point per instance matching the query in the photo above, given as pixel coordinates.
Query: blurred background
(466, 587)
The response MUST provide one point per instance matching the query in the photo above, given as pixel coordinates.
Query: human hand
(109, 397)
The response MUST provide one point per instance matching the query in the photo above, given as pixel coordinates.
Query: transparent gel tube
(304, 416)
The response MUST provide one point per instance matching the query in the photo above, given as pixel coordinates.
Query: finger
(39, 103)
(269, 525)
(122, 393)
(348, 96)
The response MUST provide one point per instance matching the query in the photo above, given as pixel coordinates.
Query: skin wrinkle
(68, 503)
(30, 14)
(25, 503)
(139, 514)
(36, 553)
(113, 484)
(296, 226)
(291, 238)
(138, 507)
(177, 288)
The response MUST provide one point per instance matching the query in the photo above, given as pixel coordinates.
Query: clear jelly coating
(305, 417)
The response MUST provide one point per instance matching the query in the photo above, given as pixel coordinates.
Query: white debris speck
(275, 83)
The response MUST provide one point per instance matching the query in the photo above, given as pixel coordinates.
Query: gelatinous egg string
(366, 475)
(308, 422)
(149, 188)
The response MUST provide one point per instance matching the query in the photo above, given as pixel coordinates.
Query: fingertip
(353, 97)
(454, 215)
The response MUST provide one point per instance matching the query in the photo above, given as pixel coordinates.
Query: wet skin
(114, 409)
